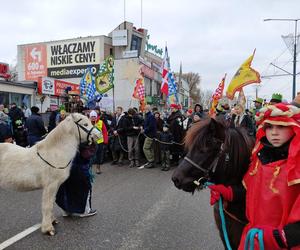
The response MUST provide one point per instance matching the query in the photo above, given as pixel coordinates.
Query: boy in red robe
(272, 182)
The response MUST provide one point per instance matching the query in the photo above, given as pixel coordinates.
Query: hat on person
(259, 100)
(93, 113)
(284, 115)
(189, 111)
(276, 97)
(175, 106)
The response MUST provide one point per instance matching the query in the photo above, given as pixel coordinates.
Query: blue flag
(87, 86)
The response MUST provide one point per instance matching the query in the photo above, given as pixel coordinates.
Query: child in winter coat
(272, 183)
(166, 139)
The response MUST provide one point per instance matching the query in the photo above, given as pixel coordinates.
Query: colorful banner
(87, 86)
(217, 96)
(35, 61)
(244, 76)
(105, 77)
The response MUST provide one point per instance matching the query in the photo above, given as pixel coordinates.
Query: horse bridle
(78, 126)
(210, 169)
(84, 129)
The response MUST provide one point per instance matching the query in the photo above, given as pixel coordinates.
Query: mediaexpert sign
(35, 61)
(71, 71)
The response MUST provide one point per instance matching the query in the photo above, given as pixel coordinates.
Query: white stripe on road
(141, 167)
(19, 236)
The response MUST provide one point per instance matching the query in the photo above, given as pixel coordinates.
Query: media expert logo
(71, 72)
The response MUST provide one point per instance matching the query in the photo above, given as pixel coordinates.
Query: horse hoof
(55, 222)
(51, 233)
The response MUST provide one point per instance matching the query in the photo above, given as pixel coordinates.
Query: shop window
(4, 98)
(136, 43)
(20, 99)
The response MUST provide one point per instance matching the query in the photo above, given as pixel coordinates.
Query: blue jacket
(150, 125)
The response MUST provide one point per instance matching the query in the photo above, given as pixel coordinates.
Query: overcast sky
(209, 37)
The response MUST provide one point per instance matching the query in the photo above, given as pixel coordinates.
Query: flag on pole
(244, 76)
(217, 95)
(87, 86)
(165, 67)
(139, 92)
(172, 89)
(105, 76)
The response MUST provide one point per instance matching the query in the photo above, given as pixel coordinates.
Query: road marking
(19, 236)
(141, 167)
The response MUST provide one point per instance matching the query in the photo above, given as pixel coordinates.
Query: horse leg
(48, 198)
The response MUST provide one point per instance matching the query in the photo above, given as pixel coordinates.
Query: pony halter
(206, 171)
(84, 129)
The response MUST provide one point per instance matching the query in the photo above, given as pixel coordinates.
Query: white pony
(47, 164)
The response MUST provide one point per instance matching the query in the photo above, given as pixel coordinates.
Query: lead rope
(221, 212)
(249, 242)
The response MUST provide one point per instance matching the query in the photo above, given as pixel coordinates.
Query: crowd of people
(154, 138)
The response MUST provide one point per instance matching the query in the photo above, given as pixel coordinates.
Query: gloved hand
(270, 242)
(217, 190)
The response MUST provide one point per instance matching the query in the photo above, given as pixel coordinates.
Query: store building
(66, 60)
(17, 92)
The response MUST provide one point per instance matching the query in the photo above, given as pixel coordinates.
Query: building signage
(4, 69)
(154, 49)
(62, 59)
(130, 53)
(119, 38)
(51, 86)
(35, 61)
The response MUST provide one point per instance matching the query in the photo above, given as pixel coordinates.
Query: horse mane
(237, 145)
(196, 135)
(56, 136)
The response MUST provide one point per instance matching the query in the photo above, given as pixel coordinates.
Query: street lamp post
(295, 50)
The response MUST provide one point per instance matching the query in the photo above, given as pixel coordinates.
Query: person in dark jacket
(133, 125)
(159, 129)
(175, 121)
(166, 139)
(5, 131)
(241, 119)
(35, 127)
(118, 141)
(150, 134)
(17, 119)
(75, 194)
(52, 120)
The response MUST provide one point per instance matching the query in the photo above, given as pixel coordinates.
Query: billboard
(35, 61)
(61, 59)
(119, 38)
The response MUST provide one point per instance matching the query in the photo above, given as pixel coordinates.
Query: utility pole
(295, 50)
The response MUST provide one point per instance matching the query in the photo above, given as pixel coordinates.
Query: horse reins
(78, 126)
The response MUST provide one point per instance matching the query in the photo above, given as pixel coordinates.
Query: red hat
(175, 106)
(190, 111)
(284, 115)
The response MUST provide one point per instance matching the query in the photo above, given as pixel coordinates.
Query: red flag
(217, 96)
(165, 72)
(139, 90)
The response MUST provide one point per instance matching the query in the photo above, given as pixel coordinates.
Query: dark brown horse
(220, 155)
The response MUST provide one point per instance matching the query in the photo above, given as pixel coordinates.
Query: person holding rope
(150, 133)
(175, 121)
(133, 125)
(271, 185)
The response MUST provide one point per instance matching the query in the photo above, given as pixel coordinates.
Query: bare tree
(205, 98)
(193, 79)
(13, 72)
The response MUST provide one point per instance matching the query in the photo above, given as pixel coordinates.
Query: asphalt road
(137, 209)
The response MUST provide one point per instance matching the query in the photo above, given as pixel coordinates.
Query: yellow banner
(244, 76)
